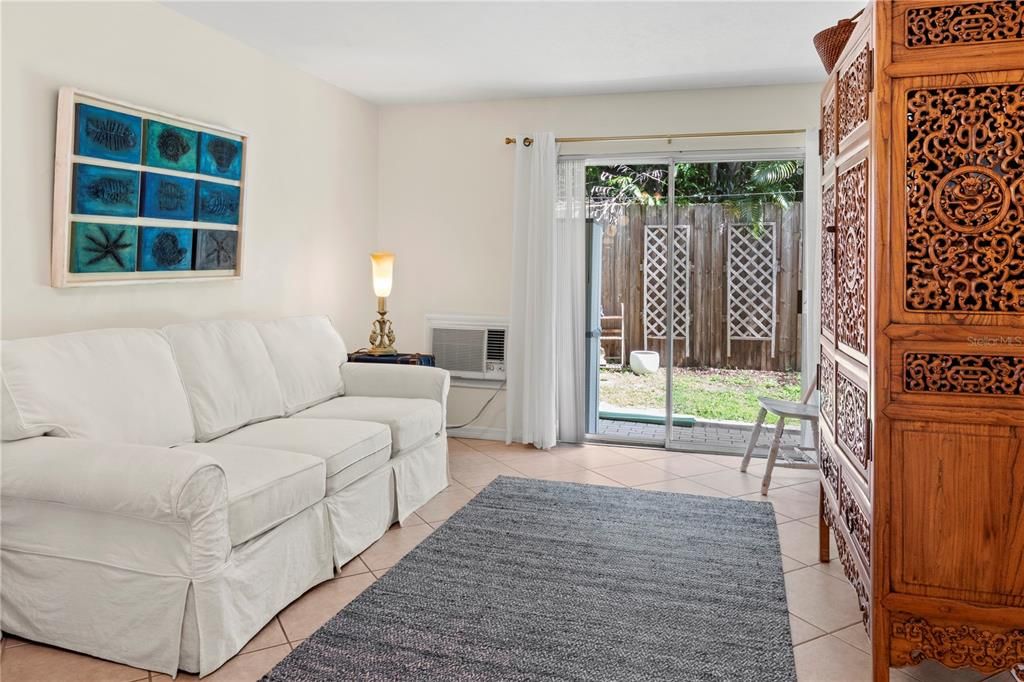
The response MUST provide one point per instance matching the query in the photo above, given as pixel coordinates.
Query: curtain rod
(527, 141)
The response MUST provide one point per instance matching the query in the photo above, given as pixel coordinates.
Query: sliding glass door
(695, 295)
(627, 202)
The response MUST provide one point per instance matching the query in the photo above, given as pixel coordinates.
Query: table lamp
(382, 338)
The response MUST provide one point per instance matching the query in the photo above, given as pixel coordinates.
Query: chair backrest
(811, 388)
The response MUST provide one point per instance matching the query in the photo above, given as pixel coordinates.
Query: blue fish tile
(104, 191)
(165, 248)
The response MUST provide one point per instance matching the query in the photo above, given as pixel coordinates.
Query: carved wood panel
(955, 645)
(828, 261)
(852, 418)
(830, 466)
(850, 568)
(856, 520)
(961, 23)
(827, 388)
(828, 132)
(853, 93)
(967, 374)
(965, 199)
(852, 257)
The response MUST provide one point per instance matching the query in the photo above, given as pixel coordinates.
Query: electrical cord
(480, 412)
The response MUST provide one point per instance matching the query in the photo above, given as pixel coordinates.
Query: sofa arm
(95, 486)
(396, 381)
(155, 483)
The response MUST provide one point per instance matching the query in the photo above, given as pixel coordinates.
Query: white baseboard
(479, 432)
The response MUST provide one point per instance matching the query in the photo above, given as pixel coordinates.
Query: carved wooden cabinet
(922, 329)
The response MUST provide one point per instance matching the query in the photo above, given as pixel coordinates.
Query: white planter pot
(644, 361)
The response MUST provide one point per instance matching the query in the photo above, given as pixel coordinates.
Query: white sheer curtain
(570, 299)
(531, 394)
(811, 313)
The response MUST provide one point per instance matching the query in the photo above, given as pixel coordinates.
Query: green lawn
(715, 394)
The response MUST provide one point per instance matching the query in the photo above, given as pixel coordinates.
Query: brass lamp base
(382, 337)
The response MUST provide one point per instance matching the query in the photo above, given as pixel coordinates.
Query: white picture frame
(65, 159)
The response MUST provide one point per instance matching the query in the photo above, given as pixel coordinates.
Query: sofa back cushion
(307, 353)
(228, 375)
(118, 385)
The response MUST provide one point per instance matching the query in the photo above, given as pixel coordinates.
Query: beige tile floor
(830, 642)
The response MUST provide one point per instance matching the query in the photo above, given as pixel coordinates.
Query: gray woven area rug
(535, 580)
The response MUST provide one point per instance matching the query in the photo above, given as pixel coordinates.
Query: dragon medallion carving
(965, 199)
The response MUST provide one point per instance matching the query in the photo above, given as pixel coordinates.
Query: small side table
(421, 359)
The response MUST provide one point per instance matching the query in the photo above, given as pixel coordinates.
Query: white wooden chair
(784, 409)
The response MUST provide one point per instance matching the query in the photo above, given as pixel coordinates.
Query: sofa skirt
(94, 608)
(362, 512)
(166, 622)
(223, 612)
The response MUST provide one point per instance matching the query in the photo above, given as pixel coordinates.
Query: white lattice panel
(752, 278)
(656, 282)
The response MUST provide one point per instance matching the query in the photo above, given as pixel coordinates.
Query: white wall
(446, 186)
(312, 167)
(317, 155)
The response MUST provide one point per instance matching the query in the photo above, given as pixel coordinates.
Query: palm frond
(774, 172)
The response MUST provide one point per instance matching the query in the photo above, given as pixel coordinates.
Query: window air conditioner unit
(469, 346)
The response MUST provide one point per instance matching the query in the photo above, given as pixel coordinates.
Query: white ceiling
(390, 52)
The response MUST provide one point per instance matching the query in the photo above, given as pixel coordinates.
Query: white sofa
(166, 493)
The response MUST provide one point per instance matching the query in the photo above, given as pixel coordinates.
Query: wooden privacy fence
(737, 287)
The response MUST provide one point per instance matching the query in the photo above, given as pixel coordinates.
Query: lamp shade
(383, 267)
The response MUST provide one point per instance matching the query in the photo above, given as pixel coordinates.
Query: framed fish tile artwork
(143, 196)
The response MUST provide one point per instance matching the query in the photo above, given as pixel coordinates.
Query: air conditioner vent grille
(459, 350)
(496, 345)
(469, 347)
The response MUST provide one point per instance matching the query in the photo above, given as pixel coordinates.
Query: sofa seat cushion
(265, 487)
(413, 421)
(349, 449)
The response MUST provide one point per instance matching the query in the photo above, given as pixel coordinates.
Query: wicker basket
(830, 42)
